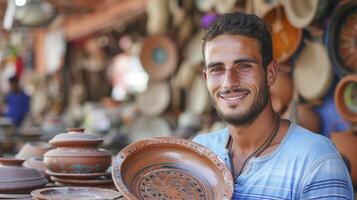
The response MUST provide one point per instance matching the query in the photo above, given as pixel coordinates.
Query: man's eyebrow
(246, 60)
(213, 64)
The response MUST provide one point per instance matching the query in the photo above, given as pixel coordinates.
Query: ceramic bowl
(172, 168)
(77, 160)
(72, 193)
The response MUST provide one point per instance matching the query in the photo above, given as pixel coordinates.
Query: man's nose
(231, 79)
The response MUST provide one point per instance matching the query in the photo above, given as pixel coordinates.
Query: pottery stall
(76, 160)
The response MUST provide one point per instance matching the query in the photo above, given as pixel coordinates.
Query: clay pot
(75, 137)
(17, 179)
(33, 150)
(286, 38)
(346, 143)
(72, 193)
(77, 160)
(176, 168)
(346, 98)
(82, 182)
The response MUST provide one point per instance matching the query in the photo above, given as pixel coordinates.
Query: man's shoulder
(215, 141)
(306, 141)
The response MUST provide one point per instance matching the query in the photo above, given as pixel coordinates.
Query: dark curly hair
(242, 24)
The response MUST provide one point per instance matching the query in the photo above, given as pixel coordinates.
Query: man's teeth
(234, 98)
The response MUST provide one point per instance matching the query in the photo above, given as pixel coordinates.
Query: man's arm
(327, 179)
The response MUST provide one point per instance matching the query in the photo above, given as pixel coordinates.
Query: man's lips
(233, 97)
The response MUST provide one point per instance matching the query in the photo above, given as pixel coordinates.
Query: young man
(270, 157)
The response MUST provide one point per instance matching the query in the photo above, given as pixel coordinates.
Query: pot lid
(155, 99)
(302, 13)
(313, 77)
(14, 177)
(159, 57)
(76, 137)
(286, 38)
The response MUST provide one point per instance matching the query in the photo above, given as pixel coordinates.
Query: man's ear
(272, 72)
(204, 74)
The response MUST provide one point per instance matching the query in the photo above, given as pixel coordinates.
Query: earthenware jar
(77, 153)
(346, 98)
(17, 179)
(33, 150)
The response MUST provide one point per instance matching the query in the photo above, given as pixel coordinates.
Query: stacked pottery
(77, 161)
(17, 182)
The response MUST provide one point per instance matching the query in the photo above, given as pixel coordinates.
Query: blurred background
(132, 69)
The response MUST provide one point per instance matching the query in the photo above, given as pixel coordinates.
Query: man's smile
(234, 97)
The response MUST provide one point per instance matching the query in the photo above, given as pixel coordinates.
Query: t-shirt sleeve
(327, 179)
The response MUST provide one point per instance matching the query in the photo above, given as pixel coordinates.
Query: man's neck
(247, 138)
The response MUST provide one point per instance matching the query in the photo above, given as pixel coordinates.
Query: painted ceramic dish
(72, 193)
(342, 38)
(159, 57)
(171, 168)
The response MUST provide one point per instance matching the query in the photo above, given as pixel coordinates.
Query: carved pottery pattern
(170, 184)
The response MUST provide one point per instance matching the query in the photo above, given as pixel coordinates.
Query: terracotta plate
(70, 193)
(84, 182)
(78, 176)
(171, 168)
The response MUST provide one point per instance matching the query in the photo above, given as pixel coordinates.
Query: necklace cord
(257, 152)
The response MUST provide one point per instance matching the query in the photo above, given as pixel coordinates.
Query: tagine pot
(77, 160)
(77, 153)
(15, 179)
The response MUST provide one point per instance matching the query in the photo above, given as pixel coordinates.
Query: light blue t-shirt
(304, 166)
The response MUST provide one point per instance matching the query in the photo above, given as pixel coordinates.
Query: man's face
(235, 78)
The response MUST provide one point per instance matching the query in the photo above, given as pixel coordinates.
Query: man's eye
(216, 69)
(243, 66)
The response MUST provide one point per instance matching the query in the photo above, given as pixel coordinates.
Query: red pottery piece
(173, 168)
(77, 160)
(18, 180)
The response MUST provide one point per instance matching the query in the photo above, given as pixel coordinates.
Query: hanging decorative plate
(346, 98)
(171, 168)
(342, 38)
(286, 38)
(313, 77)
(159, 57)
(302, 13)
